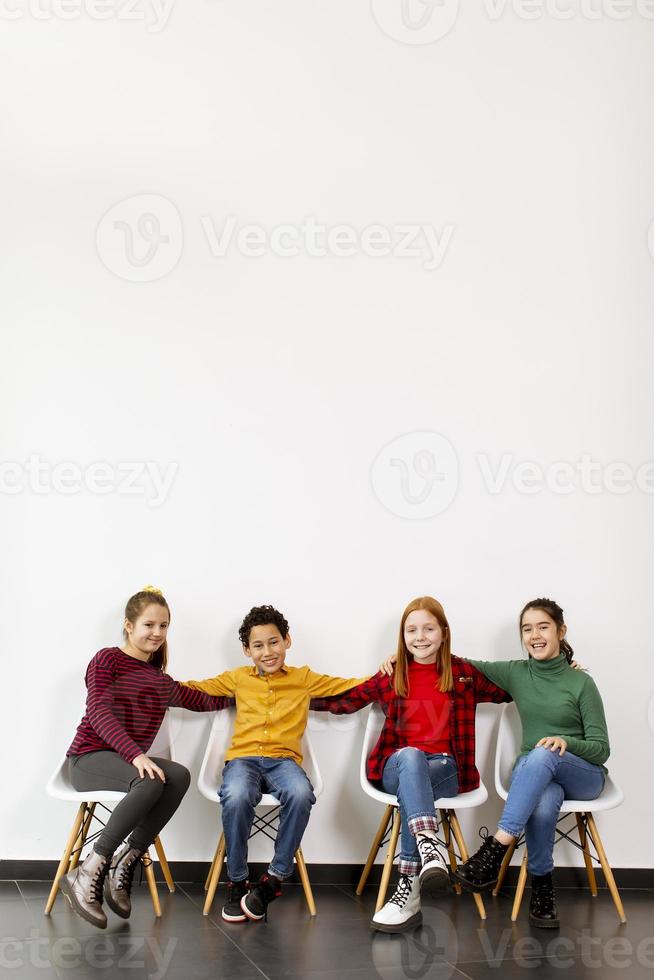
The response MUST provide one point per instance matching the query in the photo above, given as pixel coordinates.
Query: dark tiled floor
(337, 945)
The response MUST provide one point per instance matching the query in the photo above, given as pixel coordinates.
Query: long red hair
(443, 665)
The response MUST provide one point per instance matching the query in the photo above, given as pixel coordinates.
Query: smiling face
(423, 636)
(147, 633)
(540, 635)
(267, 648)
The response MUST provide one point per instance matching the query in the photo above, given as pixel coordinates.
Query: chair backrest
(210, 775)
(374, 725)
(164, 741)
(60, 787)
(509, 737)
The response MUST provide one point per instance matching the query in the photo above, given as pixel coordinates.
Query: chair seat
(60, 788)
(610, 797)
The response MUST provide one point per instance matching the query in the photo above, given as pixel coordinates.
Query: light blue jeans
(540, 781)
(418, 778)
(244, 782)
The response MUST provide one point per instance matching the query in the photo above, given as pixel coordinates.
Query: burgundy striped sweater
(126, 702)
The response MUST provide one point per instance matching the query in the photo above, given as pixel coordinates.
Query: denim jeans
(418, 778)
(244, 782)
(540, 781)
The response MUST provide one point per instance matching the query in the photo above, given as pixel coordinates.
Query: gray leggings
(148, 805)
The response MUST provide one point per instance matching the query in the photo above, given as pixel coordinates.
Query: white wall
(273, 383)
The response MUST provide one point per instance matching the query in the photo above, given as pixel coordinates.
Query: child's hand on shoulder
(387, 666)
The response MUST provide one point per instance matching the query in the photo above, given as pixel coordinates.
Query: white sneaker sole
(234, 918)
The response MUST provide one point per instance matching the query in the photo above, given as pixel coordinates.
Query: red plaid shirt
(470, 687)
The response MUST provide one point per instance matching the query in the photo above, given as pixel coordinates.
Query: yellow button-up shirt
(272, 709)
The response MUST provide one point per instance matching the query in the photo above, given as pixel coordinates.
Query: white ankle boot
(402, 910)
(434, 871)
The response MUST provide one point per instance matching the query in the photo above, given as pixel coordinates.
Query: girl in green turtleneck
(564, 747)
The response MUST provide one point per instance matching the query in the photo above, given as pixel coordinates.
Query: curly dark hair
(262, 616)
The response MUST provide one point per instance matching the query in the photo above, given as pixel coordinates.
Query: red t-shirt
(424, 721)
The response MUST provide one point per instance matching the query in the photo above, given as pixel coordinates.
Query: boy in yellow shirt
(272, 707)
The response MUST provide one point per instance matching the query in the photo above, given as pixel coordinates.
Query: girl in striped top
(128, 692)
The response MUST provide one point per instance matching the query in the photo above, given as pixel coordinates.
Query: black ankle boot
(542, 907)
(481, 870)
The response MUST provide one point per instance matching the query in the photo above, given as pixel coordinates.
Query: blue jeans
(418, 778)
(540, 781)
(244, 782)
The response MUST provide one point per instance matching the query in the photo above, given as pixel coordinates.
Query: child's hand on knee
(143, 764)
(553, 743)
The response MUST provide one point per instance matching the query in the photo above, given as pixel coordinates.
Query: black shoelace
(97, 882)
(402, 892)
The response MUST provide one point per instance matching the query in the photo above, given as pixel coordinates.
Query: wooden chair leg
(505, 866)
(161, 854)
(215, 875)
(463, 851)
(449, 843)
(606, 867)
(152, 884)
(388, 864)
(374, 850)
(590, 870)
(64, 864)
(212, 866)
(520, 888)
(81, 839)
(304, 878)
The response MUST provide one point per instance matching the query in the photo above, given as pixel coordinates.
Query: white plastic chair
(509, 738)
(446, 805)
(60, 788)
(209, 781)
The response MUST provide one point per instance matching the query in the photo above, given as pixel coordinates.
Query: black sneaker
(542, 907)
(232, 911)
(255, 903)
(480, 871)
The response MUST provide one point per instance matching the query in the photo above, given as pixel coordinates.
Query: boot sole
(114, 908)
(434, 880)
(469, 887)
(66, 890)
(411, 923)
(544, 923)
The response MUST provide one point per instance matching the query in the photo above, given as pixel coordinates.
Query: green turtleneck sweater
(553, 698)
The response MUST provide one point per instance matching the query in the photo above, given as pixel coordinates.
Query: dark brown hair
(554, 611)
